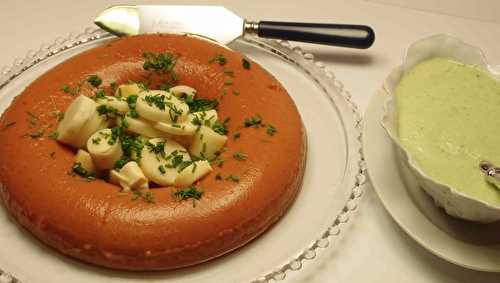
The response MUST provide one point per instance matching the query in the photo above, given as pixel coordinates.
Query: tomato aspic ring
(92, 221)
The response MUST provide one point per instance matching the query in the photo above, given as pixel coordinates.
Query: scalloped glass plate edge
(316, 70)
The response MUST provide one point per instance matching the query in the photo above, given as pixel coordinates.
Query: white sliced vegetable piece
(183, 129)
(127, 90)
(103, 153)
(192, 173)
(182, 91)
(116, 178)
(141, 127)
(85, 160)
(119, 104)
(206, 142)
(156, 164)
(95, 123)
(185, 141)
(168, 109)
(129, 177)
(75, 117)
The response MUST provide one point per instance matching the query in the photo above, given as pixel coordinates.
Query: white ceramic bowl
(454, 202)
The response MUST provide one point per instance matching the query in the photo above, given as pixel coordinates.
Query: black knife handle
(353, 36)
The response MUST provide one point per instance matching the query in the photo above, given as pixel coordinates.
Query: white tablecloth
(373, 249)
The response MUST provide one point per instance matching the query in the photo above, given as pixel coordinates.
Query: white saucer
(456, 241)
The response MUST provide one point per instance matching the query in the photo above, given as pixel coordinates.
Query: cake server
(220, 24)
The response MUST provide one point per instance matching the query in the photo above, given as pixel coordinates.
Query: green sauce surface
(449, 120)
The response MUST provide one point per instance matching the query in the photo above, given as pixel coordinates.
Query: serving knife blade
(222, 25)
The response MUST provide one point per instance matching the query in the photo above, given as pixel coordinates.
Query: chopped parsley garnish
(184, 164)
(146, 196)
(94, 80)
(105, 135)
(34, 122)
(38, 133)
(158, 149)
(255, 122)
(132, 102)
(245, 63)
(107, 110)
(229, 72)
(38, 127)
(176, 159)
(78, 169)
(8, 125)
(271, 130)
(217, 161)
(221, 151)
(143, 86)
(133, 113)
(56, 113)
(59, 115)
(124, 123)
(66, 89)
(233, 178)
(165, 87)
(201, 104)
(72, 91)
(130, 145)
(33, 119)
(53, 135)
(218, 176)
(160, 63)
(189, 193)
(90, 178)
(174, 113)
(157, 100)
(201, 119)
(121, 162)
(236, 135)
(116, 133)
(240, 156)
(96, 140)
(228, 82)
(100, 94)
(162, 170)
(113, 86)
(136, 195)
(220, 59)
(221, 128)
(236, 93)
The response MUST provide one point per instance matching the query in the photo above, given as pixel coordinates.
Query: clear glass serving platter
(329, 197)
